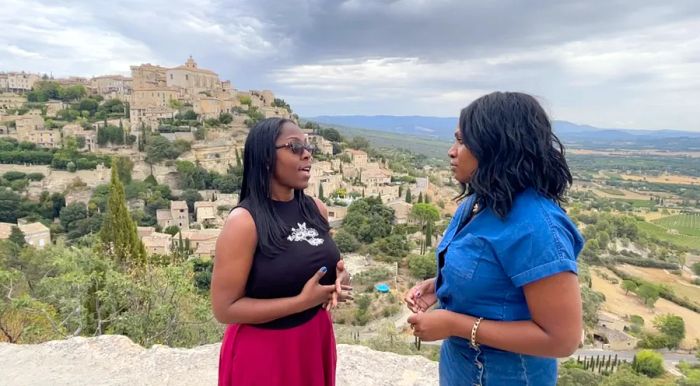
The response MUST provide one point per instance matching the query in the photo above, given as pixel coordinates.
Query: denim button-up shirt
(486, 264)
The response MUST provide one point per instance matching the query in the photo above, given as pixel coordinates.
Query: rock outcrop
(116, 360)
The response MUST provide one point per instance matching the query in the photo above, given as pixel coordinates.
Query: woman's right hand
(422, 296)
(314, 293)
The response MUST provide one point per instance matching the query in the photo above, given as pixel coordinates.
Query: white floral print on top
(302, 233)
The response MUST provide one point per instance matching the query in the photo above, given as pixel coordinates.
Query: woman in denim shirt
(509, 300)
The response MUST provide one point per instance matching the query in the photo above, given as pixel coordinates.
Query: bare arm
(554, 331)
(556, 325)
(235, 248)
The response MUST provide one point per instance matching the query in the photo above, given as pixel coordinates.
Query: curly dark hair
(511, 137)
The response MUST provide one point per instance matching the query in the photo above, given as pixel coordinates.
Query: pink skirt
(299, 356)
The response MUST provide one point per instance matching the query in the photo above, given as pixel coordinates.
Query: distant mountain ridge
(571, 133)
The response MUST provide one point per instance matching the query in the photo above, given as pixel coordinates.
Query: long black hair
(259, 158)
(511, 137)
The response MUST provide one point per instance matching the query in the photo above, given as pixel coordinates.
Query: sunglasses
(298, 147)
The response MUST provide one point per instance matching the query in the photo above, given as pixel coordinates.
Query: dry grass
(663, 179)
(618, 303)
(681, 286)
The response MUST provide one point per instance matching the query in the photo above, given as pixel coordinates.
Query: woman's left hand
(342, 286)
(431, 325)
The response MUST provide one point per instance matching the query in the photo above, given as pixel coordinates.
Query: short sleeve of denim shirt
(539, 242)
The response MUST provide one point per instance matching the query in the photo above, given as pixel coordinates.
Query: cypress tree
(428, 235)
(118, 235)
(408, 195)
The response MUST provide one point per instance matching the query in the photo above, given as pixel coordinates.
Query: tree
(696, 268)
(424, 213)
(17, 237)
(124, 167)
(346, 242)
(623, 377)
(9, 206)
(428, 237)
(71, 214)
(394, 246)
(422, 266)
(189, 115)
(330, 134)
(673, 327)
(359, 143)
(238, 158)
(649, 363)
(649, 293)
(14, 175)
(118, 234)
(420, 197)
(80, 141)
(368, 219)
(629, 285)
(320, 192)
(151, 180)
(191, 196)
(225, 118)
(409, 199)
(89, 105)
(193, 176)
(172, 230)
(157, 149)
(573, 376)
(71, 93)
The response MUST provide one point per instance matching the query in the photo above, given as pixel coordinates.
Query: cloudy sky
(608, 63)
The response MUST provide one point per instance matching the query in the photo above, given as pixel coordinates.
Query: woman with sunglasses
(277, 271)
(509, 299)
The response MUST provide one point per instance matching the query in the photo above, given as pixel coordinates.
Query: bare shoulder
(239, 221)
(321, 208)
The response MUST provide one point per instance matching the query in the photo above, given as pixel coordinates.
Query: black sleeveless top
(305, 251)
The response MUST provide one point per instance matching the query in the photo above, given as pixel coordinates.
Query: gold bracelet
(474, 328)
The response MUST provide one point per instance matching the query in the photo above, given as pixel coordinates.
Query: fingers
(321, 272)
(422, 304)
(334, 299)
(344, 296)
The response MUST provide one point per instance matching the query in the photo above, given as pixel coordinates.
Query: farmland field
(618, 303)
(679, 286)
(662, 233)
(686, 224)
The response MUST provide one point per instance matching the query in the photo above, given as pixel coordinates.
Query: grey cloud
(595, 61)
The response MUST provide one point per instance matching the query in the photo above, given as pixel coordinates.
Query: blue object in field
(383, 288)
